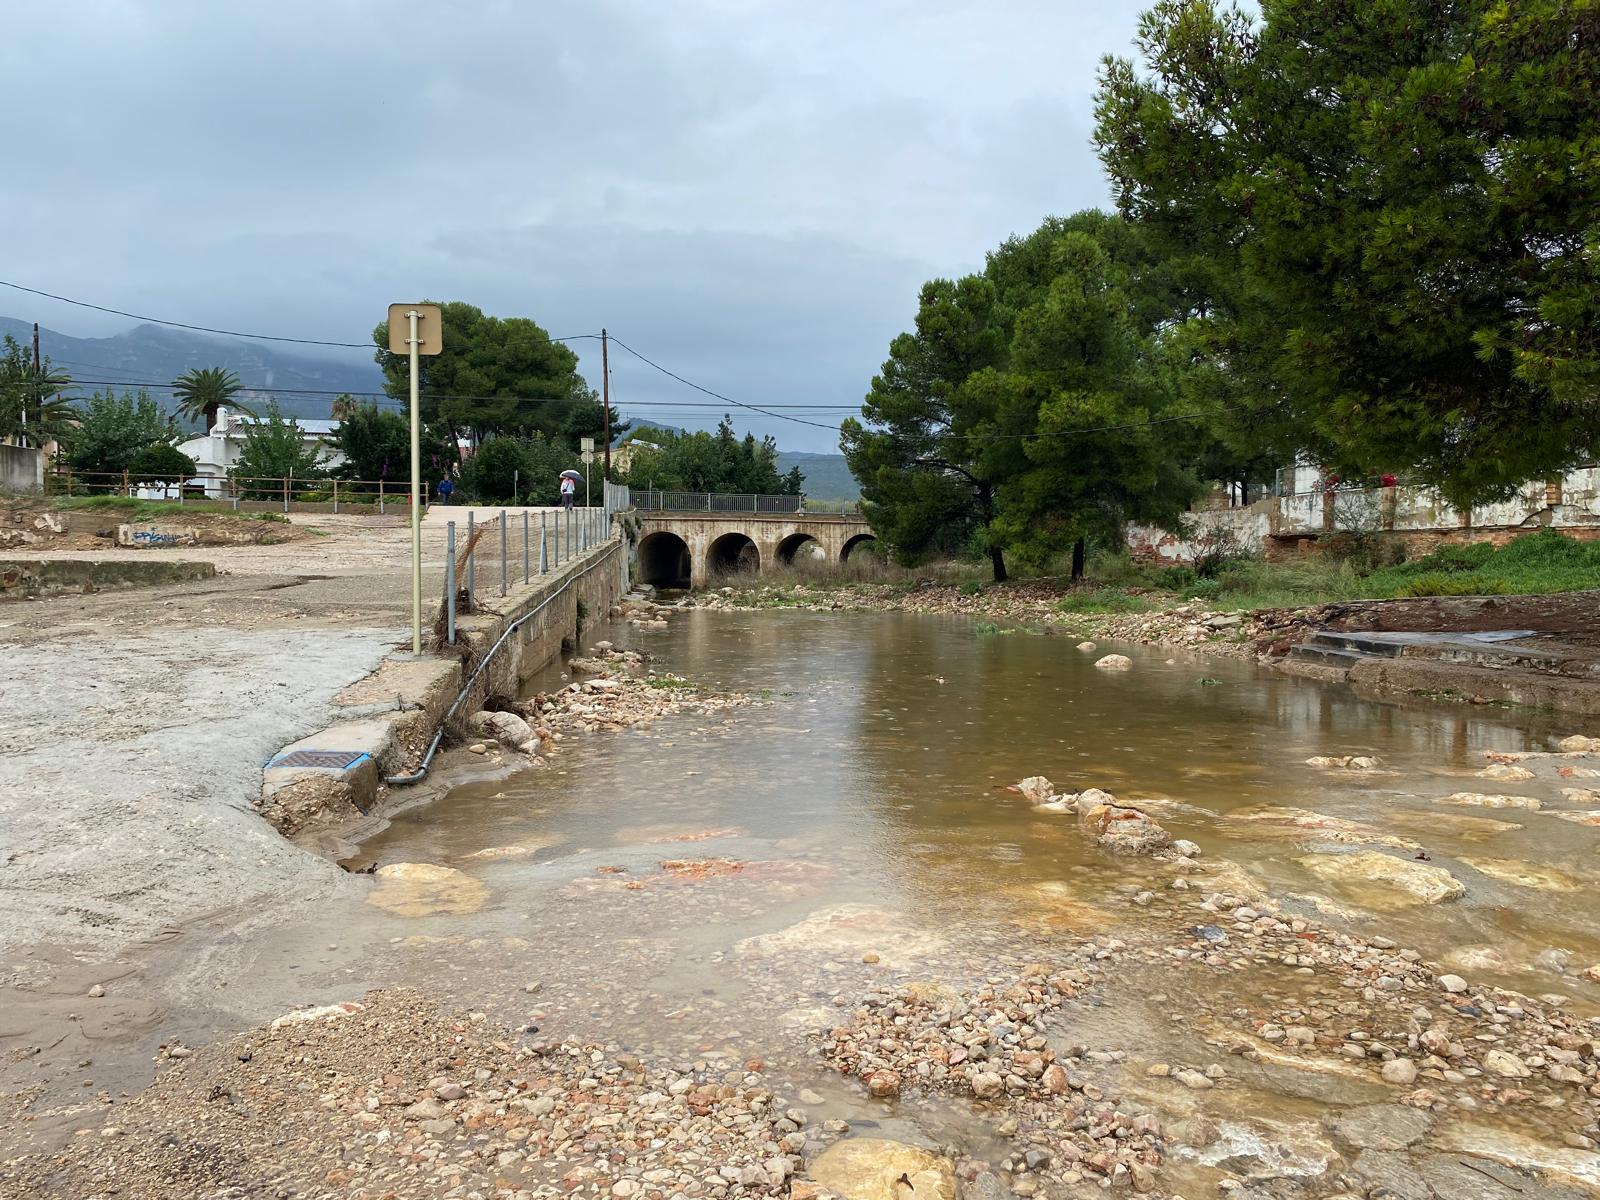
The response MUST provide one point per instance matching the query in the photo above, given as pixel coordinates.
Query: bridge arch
(664, 560)
(857, 542)
(799, 546)
(733, 553)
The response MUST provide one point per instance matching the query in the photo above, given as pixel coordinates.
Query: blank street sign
(430, 328)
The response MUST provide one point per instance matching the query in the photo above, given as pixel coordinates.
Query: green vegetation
(32, 411)
(511, 469)
(201, 391)
(1383, 229)
(275, 449)
(112, 432)
(498, 375)
(1357, 235)
(377, 445)
(149, 510)
(1533, 564)
(711, 462)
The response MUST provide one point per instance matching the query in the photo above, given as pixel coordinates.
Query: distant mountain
(155, 354)
(827, 477)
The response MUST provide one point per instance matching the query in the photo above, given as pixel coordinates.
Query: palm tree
(32, 409)
(201, 391)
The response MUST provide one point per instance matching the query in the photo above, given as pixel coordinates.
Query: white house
(215, 453)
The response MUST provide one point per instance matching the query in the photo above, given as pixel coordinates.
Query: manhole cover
(335, 759)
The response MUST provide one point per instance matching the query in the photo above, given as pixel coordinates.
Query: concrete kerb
(396, 711)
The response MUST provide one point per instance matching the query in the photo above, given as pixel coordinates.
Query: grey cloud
(752, 190)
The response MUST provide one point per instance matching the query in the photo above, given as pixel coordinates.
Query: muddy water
(873, 774)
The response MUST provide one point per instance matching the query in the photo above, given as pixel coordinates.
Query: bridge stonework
(694, 548)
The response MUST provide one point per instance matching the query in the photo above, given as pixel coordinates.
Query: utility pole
(414, 330)
(605, 393)
(36, 388)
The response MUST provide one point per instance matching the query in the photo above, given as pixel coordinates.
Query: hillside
(827, 477)
(155, 354)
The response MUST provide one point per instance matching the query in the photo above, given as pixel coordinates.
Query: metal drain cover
(336, 760)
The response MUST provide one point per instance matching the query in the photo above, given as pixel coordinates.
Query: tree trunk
(211, 417)
(1077, 560)
(997, 557)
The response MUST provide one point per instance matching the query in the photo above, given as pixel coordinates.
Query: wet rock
(1036, 789)
(1400, 1071)
(878, 1169)
(1307, 825)
(1482, 800)
(1505, 773)
(423, 889)
(1087, 647)
(1523, 874)
(1264, 1150)
(1124, 830)
(96, 992)
(1384, 881)
(1577, 744)
(1507, 1066)
(1195, 1080)
(847, 930)
(506, 728)
(1381, 1126)
(884, 1085)
(1114, 662)
(1452, 983)
(1345, 762)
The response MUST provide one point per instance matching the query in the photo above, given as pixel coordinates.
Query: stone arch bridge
(694, 549)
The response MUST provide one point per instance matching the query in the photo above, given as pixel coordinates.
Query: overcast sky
(749, 193)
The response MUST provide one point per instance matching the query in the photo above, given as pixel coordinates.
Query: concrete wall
(1282, 526)
(21, 469)
(710, 537)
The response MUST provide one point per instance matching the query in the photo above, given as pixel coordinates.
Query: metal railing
(248, 493)
(512, 549)
(652, 500)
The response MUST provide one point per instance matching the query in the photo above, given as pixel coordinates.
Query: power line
(260, 337)
(725, 399)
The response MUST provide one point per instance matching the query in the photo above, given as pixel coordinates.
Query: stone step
(1329, 656)
(1359, 643)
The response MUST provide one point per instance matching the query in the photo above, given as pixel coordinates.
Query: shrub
(1451, 585)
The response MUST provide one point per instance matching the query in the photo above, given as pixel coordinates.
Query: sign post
(586, 448)
(415, 329)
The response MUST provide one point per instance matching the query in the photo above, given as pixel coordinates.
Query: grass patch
(148, 510)
(1103, 600)
(671, 683)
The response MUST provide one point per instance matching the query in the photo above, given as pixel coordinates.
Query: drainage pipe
(421, 772)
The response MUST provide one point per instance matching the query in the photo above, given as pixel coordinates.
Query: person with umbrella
(569, 488)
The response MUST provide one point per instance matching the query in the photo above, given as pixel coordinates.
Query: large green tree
(275, 448)
(1018, 416)
(377, 445)
(200, 391)
(497, 375)
(110, 432)
(1385, 213)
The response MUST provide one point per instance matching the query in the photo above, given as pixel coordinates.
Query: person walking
(444, 489)
(569, 491)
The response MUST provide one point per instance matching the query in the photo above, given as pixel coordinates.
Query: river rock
(1381, 1127)
(1384, 881)
(1506, 773)
(878, 1169)
(1578, 744)
(1345, 762)
(1306, 825)
(422, 889)
(1523, 874)
(506, 728)
(1508, 1066)
(1114, 662)
(1453, 983)
(1036, 789)
(1087, 647)
(1124, 830)
(884, 1085)
(1399, 1070)
(1581, 817)
(1480, 800)
(847, 931)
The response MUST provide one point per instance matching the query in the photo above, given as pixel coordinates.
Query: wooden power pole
(605, 402)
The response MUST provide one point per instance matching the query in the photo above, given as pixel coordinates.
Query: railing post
(380, 497)
(558, 538)
(286, 493)
(472, 554)
(127, 489)
(450, 582)
(708, 501)
(335, 495)
(504, 537)
(544, 547)
(524, 547)
(233, 487)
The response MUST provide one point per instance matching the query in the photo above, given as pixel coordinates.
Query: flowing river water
(853, 830)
